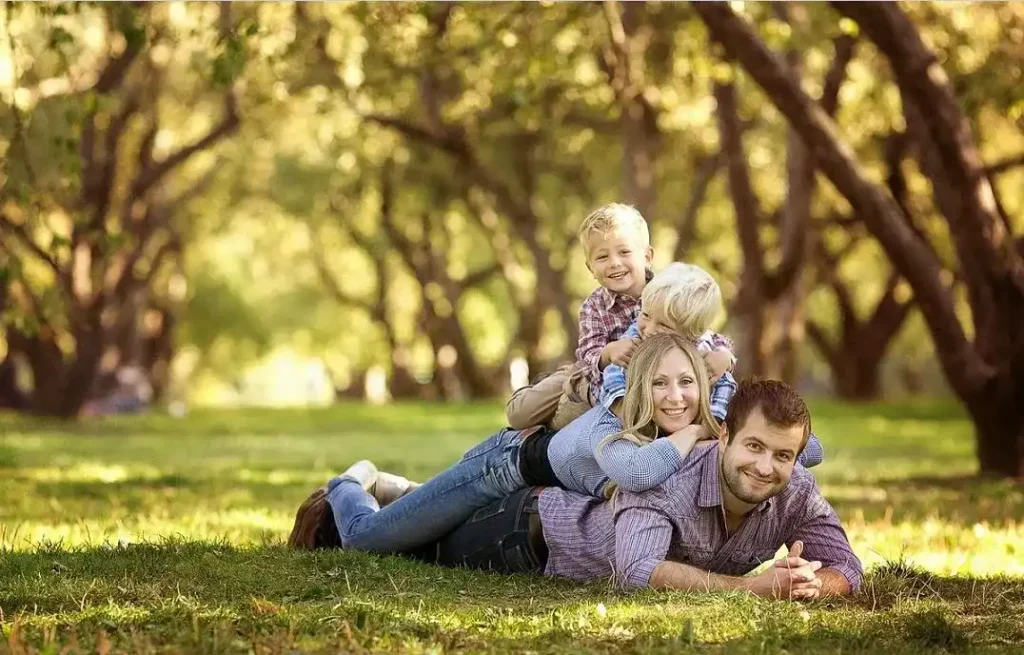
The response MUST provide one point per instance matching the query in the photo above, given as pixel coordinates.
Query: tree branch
(977, 229)
(965, 369)
(478, 277)
(1005, 165)
(845, 47)
(18, 231)
(743, 199)
(687, 231)
(818, 337)
(155, 173)
(331, 282)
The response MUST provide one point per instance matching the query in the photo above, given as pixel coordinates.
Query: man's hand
(618, 352)
(794, 561)
(719, 362)
(790, 577)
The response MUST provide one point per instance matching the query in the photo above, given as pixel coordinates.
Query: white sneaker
(364, 472)
(391, 487)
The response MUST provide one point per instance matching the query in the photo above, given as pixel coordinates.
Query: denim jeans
(496, 538)
(486, 473)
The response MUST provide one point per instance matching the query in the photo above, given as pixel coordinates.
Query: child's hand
(619, 352)
(719, 362)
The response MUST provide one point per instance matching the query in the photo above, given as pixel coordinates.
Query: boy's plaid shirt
(604, 317)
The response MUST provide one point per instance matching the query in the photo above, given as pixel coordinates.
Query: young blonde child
(616, 245)
(684, 300)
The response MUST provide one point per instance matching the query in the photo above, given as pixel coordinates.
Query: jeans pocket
(485, 446)
(494, 509)
(519, 560)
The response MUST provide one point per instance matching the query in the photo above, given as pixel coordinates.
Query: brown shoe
(314, 524)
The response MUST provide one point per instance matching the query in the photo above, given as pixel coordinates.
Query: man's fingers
(791, 562)
(797, 549)
(802, 573)
(812, 586)
(805, 594)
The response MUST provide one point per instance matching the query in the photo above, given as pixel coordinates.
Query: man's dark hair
(780, 404)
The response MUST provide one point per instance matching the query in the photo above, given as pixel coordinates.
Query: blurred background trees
(294, 201)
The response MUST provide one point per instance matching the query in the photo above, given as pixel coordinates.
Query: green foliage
(526, 87)
(158, 533)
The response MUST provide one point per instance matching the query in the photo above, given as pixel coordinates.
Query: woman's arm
(634, 467)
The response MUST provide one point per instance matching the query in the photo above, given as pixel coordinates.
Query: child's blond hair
(684, 298)
(614, 217)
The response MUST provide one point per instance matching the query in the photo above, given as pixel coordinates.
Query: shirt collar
(710, 483)
(610, 297)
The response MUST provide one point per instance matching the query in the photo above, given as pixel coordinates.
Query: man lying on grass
(733, 504)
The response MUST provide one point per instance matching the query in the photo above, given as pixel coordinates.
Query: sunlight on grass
(941, 547)
(239, 527)
(153, 533)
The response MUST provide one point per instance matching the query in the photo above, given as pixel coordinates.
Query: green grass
(158, 534)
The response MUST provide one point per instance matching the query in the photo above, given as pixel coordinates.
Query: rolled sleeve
(813, 453)
(825, 541)
(721, 395)
(613, 384)
(643, 534)
(721, 342)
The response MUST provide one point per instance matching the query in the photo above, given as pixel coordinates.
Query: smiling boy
(616, 243)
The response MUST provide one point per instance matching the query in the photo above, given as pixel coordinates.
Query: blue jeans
(497, 538)
(488, 472)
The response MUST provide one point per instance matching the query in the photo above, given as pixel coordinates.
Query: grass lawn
(160, 534)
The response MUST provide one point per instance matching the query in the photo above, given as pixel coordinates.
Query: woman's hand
(686, 438)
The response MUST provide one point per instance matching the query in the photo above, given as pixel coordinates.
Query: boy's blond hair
(614, 217)
(684, 298)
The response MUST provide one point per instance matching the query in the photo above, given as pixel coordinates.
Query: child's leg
(574, 401)
(536, 404)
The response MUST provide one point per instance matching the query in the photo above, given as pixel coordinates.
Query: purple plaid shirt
(604, 317)
(682, 521)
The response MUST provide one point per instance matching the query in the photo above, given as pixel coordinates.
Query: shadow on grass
(182, 593)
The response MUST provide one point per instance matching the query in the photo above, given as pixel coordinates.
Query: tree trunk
(638, 127)
(999, 426)
(783, 337)
(857, 378)
(991, 366)
(11, 396)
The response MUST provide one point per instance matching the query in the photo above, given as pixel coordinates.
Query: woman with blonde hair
(664, 413)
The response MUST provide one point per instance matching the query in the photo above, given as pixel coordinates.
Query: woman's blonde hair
(638, 405)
